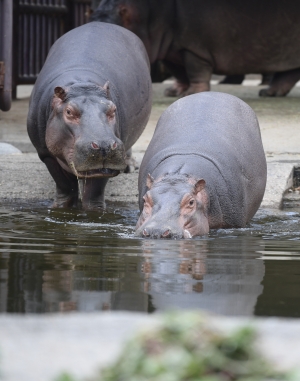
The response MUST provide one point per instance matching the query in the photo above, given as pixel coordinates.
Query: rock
(8, 149)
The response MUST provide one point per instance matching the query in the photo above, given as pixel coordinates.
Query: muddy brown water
(65, 260)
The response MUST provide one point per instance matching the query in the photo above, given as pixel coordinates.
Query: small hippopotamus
(205, 168)
(195, 38)
(90, 104)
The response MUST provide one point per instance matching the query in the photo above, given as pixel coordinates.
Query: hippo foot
(272, 93)
(65, 202)
(99, 206)
(196, 88)
(176, 90)
(132, 165)
(265, 93)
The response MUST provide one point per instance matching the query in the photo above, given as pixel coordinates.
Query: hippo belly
(204, 168)
(90, 104)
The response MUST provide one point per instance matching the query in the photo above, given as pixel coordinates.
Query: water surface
(65, 260)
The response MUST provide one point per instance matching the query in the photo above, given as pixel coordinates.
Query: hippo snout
(110, 146)
(92, 154)
(155, 233)
(103, 148)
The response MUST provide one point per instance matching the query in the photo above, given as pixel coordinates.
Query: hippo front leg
(181, 83)
(92, 193)
(199, 73)
(281, 83)
(66, 185)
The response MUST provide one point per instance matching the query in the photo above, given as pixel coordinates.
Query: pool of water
(69, 260)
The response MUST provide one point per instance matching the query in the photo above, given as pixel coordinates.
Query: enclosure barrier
(28, 30)
(6, 28)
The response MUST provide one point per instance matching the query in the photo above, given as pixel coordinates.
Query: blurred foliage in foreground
(185, 347)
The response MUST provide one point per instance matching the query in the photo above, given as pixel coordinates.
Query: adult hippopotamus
(204, 168)
(90, 103)
(195, 38)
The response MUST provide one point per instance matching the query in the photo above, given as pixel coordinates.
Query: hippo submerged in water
(195, 38)
(205, 168)
(90, 104)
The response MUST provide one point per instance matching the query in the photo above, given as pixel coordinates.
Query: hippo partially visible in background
(205, 168)
(195, 38)
(90, 104)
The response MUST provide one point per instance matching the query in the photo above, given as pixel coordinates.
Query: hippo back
(214, 136)
(96, 52)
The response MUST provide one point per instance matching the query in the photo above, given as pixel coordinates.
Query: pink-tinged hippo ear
(199, 185)
(106, 88)
(60, 92)
(125, 15)
(150, 181)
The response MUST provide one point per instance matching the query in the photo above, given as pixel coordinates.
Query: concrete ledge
(24, 178)
(38, 348)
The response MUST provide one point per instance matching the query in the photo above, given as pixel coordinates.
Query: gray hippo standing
(205, 168)
(90, 104)
(195, 38)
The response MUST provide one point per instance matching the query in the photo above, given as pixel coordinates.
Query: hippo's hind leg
(193, 77)
(66, 185)
(281, 83)
(93, 193)
(266, 79)
(198, 71)
(181, 83)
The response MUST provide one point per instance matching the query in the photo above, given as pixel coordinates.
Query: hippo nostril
(114, 145)
(94, 145)
(145, 233)
(166, 234)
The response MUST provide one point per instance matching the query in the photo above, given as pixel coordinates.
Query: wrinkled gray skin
(204, 168)
(90, 104)
(195, 38)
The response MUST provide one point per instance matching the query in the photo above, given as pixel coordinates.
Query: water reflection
(67, 260)
(223, 276)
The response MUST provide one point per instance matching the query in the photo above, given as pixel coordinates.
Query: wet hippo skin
(204, 168)
(90, 104)
(195, 38)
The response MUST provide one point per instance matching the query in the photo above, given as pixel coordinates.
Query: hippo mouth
(100, 172)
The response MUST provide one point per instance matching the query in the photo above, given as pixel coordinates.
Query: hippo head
(130, 14)
(82, 131)
(175, 206)
(126, 13)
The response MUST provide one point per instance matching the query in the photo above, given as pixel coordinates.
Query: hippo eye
(111, 113)
(147, 207)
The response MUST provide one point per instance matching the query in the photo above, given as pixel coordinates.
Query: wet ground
(58, 261)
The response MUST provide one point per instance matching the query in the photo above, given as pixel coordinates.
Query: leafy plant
(184, 347)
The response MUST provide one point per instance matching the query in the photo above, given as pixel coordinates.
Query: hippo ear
(60, 92)
(150, 181)
(106, 88)
(125, 15)
(199, 185)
